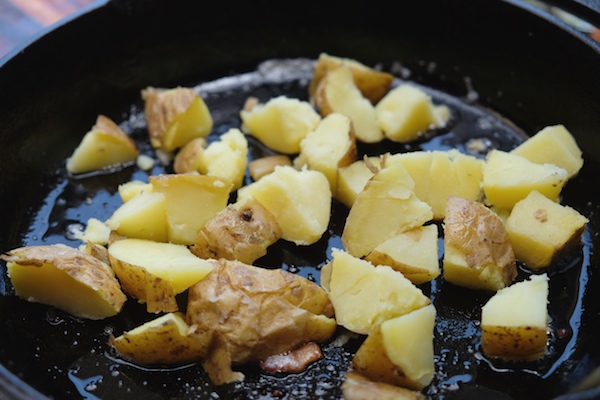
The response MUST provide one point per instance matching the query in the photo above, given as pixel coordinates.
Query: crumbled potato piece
(188, 157)
(226, 158)
(260, 167)
(256, 313)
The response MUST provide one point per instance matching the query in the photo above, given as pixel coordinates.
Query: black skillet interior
(503, 69)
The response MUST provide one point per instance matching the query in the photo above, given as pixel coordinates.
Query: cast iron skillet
(505, 69)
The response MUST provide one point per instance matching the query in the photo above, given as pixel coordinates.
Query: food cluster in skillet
(493, 133)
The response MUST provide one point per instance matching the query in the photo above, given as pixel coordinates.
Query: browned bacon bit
(293, 361)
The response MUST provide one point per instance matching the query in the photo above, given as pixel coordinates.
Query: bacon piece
(293, 361)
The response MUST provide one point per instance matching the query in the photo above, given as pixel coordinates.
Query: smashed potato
(256, 313)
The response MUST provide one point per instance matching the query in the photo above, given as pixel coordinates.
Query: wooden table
(22, 19)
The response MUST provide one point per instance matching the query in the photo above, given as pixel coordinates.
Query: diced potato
(129, 189)
(508, 178)
(399, 351)
(353, 178)
(281, 123)
(300, 201)
(164, 340)
(338, 93)
(143, 216)
(364, 295)
(97, 251)
(357, 387)
(542, 231)
(477, 251)
(96, 232)
(66, 278)
(260, 167)
(226, 158)
(406, 112)
(242, 231)
(514, 322)
(154, 272)
(553, 145)
(190, 201)
(104, 146)
(439, 174)
(256, 313)
(189, 156)
(373, 84)
(413, 252)
(386, 207)
(175, 116)
(330, 146)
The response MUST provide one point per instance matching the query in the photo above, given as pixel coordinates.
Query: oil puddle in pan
(75, 361)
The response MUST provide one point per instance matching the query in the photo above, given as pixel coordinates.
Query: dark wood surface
(22, 19)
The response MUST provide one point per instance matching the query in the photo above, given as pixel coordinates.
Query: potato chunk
(508, 178)
(281, 123)
(514, 322)
(364, 295)
(154, 272)
(338, 93)
(353, 178)
(143, 217)
(175, 116)
(330, 146)
(256, 313)
(189, 157)
(300, 201)
(440, 174)
(104, 146)
(399, 351)
(164, 340)
(542, 231)
(414, 253)
(373, 84)
(386, 207)
(190, 201)
(478, 253)
(226, 158)
(65, 278)
(407, 112)
(553, 145)
(242, 231)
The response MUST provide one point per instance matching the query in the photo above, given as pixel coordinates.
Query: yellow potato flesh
(143, 217)
(194, 122)
(385, 207)
(330, 146)
(129, 189)
(508, 178)
(540, 230)
(406, 112)
(300, 201)
(352, 180)
(553, 145)
(341, 95)
(281, 123)
(408, 343)
(514, 321)
(414, 253)
(364, 295)
(173, 263)
(190, 201)
(165, 340)
(226, 158)
(105, 145)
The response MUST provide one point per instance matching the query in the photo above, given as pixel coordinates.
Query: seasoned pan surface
(64, 357)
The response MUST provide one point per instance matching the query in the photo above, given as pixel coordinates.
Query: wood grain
(22, 19)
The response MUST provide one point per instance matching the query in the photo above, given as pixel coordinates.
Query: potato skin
(517, 343)
(256, 313)
(238, 233)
